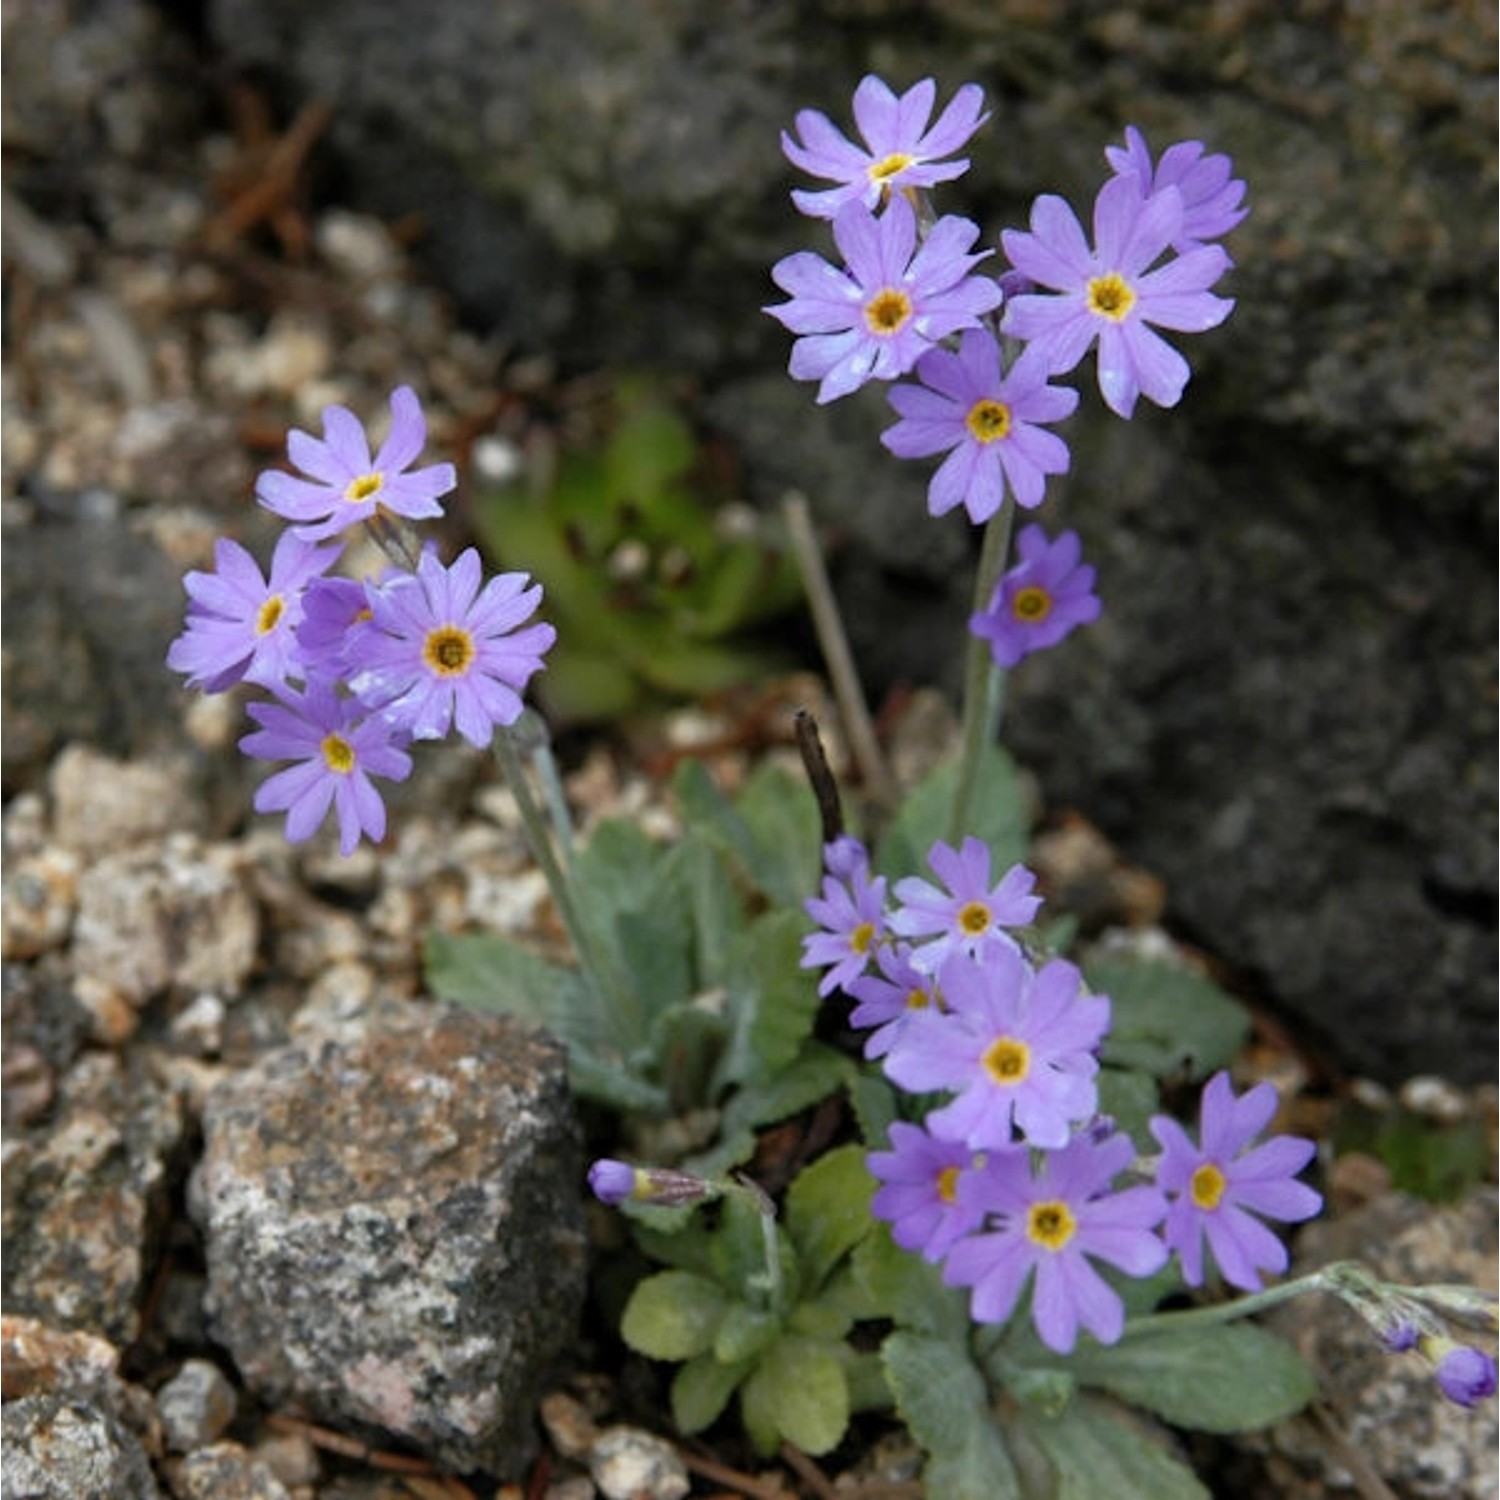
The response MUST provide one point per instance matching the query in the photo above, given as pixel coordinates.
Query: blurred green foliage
(1427, 1159)
(651, 582)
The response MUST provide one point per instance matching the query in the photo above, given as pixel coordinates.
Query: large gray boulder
(1289, 712)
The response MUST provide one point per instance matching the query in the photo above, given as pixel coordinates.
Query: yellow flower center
(449, 651)
(888, 312)
(1208, 1186)
(1031, 605)
(974, 918)
(1050, 1225)
(1007, 1061)
(862, 936)
(947, 1184)
(988, 421)
(917, 999)
(338, 754)
(357, 491)
(269, 614)
(1111, 297)
(882, 171)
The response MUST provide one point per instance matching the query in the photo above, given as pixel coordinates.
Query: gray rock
(1287, 712)
(225, 1471)
(62, 1449)
(195, 1406)
(628, 1463)
(86, 1199)
(394, 1228)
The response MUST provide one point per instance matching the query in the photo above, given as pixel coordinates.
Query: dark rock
(1289, 712)
(89, 611)
(86, 1199)
(62, 1449)
(394, 1228)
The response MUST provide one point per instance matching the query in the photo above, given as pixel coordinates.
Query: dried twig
(734, 1479)
(853, 710)
(808, 1472)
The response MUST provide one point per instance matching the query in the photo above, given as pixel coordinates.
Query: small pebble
(195, 1406)
(629, 1463)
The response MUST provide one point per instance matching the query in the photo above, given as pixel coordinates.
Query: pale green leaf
(797, 1392)
(908, 1289)
(828, 1210)
(1093, 1455)
(702, 1388)
(745, 1333)
(673, 1315)
(1002, 818)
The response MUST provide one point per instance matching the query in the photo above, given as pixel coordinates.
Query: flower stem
(616, 999)
(1325, 1279)
(984, 682)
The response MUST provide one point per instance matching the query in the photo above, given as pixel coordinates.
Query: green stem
(984, 682)
(618, 1000)
(1323, 1280)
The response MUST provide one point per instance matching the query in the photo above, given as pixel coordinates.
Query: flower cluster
(1011, 1177)
(357, 669)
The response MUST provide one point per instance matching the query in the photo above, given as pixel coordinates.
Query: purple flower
(345, 485)
(852, 913)
(1218, 1187)
(1464, 1374)
(1040, 600)
(969, 912)
(440, 652)
(987, 420)
(889, 1004)
(902, 152)
(1017, 1047)
(920, 1199)
(331, 609)
(875, 319)
(612, 1182)
(1108, 293)
(1054, 1223)
(241, 625)
(337, 753)
(1212, 202)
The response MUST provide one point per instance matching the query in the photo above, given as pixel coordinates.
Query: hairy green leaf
(1164, 1018)
(702, 1388)
(943, 1400)
(1228, 1378)
(1093, 1455)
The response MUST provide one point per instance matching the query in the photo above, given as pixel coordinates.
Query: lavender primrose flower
(613, 1182)
(241, 626)
(894, 301)
(970, 912)
(889, 1003)
(987, 423)
(1212, 202)
(900, 150)
(1109, 294)
(1017, 1047)
(1464, 1374)
(440, 652)
(853, 916)
(1052, 1222)
(1216, 1188)
(345, 485)
(1040, 600)
(920, 1196)
(337, 752)
(331, 609)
